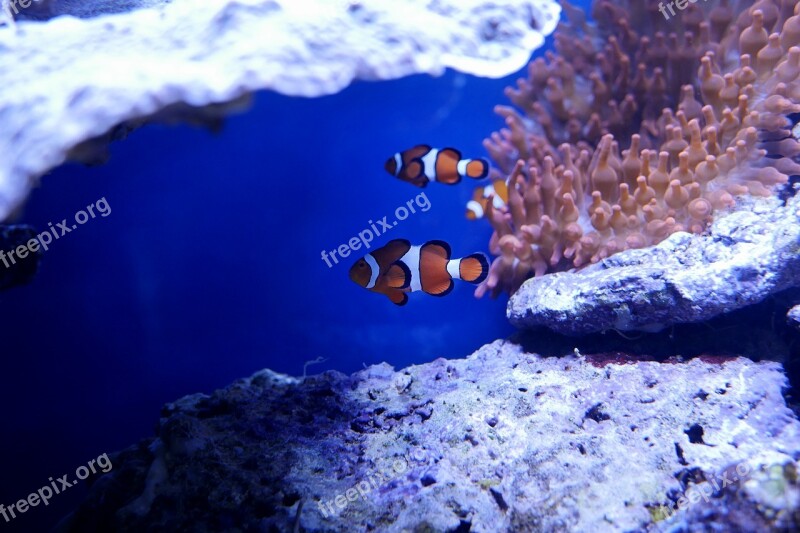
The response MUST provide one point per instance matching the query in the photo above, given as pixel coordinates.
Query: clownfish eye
(362, 263)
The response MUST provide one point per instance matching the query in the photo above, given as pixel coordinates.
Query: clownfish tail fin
(477, 169)
(474, 268)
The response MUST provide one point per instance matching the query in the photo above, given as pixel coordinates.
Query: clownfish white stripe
(489, 190)
(429, 163)
(476, 208)
(461, 168)
(398, 161)
(454, 268)
(374, 268)
(498, 202)
(411, 260)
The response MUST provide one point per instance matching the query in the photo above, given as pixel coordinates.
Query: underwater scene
(403, 266)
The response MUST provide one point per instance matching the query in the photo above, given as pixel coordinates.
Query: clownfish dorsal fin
(440, 248)
(416, 153)
(451, 153)
(398, 276)
(390, 253)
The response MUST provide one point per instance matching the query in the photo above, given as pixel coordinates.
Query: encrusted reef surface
(745, 256)
(639, 127)
(794, 316)
(503, 440)
(72, 85)
(47, 9)
(639, 130)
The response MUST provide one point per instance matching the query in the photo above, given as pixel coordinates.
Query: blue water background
(209, 267)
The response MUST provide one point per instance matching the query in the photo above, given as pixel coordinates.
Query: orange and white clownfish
(423, 164)
(480, 198)
(399, 268)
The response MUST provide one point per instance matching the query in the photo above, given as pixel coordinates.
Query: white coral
(69, 80)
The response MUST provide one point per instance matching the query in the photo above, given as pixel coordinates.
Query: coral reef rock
(71, 85)
(746, 256)
(793, 316)
(639, 127)
(503, 440)
(47, 9)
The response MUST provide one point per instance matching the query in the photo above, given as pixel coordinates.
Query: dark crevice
(596, 414)
(679, 453)
(463, 527)
(758, 332)
(695, 434)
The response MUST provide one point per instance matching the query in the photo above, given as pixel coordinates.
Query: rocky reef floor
(503, 440)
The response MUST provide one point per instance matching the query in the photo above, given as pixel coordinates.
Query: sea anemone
(697, 103)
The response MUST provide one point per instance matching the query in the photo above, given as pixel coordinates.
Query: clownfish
(480, 199)
(399, 268)
(423, 164)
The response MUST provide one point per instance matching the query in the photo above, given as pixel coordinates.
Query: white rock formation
(503, 440)
(794, 316)
(746, 256)
(70, 80)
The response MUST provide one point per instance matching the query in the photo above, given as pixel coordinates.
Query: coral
(696, 103)
(745, 256)
(504, 440)
(65, 97)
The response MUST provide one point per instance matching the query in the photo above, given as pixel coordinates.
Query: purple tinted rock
(746, 256)
(573, 444)
(794, 316)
